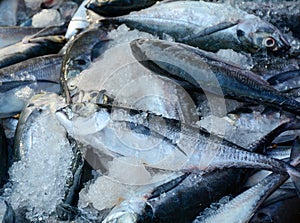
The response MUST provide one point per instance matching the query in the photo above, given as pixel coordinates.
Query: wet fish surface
(35, 47)
(192, 22)
(208, 72)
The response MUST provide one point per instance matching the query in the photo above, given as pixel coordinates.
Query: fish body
(205, 71)
(13, 34)
(191, 147)
(42, 146)
(242, 207)
(44, 68)
(19, 82)
(117, 7)
(193, 23)
(35, 47)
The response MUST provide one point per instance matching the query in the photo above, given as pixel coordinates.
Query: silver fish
(206, 71)
(34, 47)
(193, 22)
(191, 147)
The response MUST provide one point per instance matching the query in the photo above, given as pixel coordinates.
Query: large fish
(191, 147)
(206, 71)
(193, 23)
(32, 48)
(117, 7)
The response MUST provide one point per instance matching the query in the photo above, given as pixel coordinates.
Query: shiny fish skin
(79, 54)
(242, 207)
(35, 47)
(44, 68)
(202, 152)
(192, 22)
(117, 7)
(200, 68)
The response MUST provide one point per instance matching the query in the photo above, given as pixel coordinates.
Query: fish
(33, 48)
(19, 82)
(4, 162)
(117, 7)
(283, 14)
(206, 71)
(79, 21)
(191, 147)
(12, 34)
(44, 155)
(192, 22)
(80, 53)
(241, 208)
(43, 68)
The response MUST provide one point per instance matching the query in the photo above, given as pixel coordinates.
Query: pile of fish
(149, 111)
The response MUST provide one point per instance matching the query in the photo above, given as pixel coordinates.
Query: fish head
(255, 35)
(83, 118)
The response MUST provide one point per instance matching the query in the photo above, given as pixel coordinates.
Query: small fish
(206, 71)
(192, 22)
(117, 7)
(33, 48)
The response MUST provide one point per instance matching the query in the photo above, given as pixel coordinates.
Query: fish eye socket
(269, 42)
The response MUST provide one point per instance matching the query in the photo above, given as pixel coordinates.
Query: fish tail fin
(294, 162)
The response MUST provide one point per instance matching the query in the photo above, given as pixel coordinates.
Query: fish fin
(283, 77)
(210, 30)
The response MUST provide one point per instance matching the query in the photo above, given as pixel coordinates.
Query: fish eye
(269, 42)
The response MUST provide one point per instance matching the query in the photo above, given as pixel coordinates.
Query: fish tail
(295, 161)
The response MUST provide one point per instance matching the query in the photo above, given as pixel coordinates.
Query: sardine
(208, 72)
(192, 22)
(117, 7)
(35, 47)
